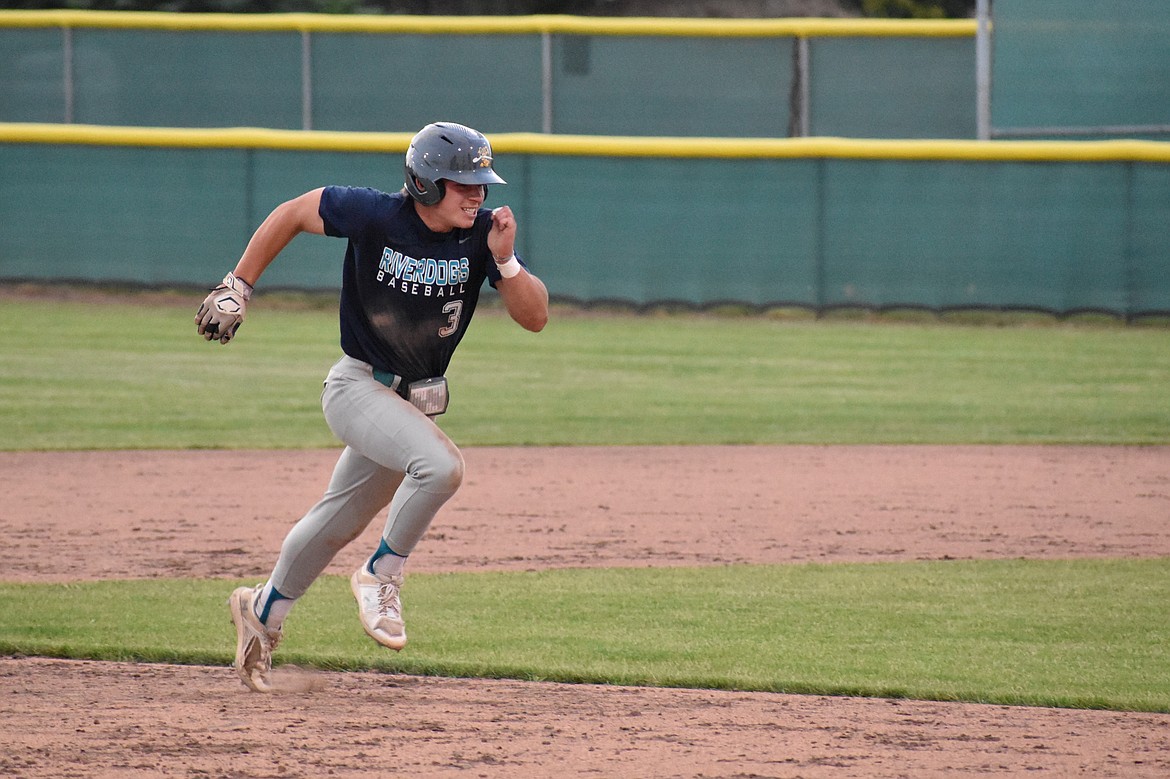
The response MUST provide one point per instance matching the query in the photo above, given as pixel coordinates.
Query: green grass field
(1068, 633)
(136, 376)
(1085, 633)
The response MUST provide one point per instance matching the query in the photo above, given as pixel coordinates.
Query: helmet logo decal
(484, 160)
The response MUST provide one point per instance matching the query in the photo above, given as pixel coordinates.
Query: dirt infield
(95, 515)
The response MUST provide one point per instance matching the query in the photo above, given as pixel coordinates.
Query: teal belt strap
(391, 380)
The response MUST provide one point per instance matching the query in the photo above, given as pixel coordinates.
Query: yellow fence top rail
(600, 146)
(499, 25)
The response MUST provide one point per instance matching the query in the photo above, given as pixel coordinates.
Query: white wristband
(236, 284)
(509, 267)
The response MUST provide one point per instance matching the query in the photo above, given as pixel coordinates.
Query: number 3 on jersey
(454, 310)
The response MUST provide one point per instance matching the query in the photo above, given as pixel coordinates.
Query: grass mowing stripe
(1082, 633)
(101, 376)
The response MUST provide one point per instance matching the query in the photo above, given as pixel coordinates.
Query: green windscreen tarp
(159, 78)
(573, 84)
(399, 83)
(666, 86)
(32, 75)
(1060, 236)
(1080, 63)
(892, 87)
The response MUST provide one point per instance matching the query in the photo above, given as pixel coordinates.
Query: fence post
(983, 70)
(306, 80)
(546, 82)
(67, 71)
(798, 121)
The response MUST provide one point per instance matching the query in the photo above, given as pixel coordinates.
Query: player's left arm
(524, 295)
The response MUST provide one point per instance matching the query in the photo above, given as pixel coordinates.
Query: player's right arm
(222, 311)
(287, 221)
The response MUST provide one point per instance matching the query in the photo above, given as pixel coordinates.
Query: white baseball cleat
(379, 607)
(254, 641)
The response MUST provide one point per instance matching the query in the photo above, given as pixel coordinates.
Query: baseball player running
(413, 269)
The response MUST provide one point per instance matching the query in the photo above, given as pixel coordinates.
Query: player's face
(458, 206)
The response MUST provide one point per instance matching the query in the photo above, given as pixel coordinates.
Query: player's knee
(449, 474)
(442, 471)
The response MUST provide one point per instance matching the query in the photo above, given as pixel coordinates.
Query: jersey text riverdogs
(407, 273)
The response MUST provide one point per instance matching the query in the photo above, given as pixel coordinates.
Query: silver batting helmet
(446, 151)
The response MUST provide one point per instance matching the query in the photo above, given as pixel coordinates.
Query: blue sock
(394, 565)
(268, 596)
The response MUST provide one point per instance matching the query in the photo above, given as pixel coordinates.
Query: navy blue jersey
(407, 293)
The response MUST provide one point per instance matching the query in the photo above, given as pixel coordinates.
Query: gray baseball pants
(394, 454)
